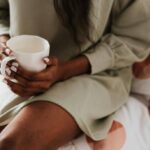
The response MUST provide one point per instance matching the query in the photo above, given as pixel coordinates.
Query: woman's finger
(20, 71)
(50, 61)
(47, 73)
(12, 63)
(38, 85)
(18, 89)
(7, 51)
(44, 75)
(35, 85)
(22, 81)
(2, 52)
(32, 76)
(24, 91)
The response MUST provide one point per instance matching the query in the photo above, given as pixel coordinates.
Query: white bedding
(130, 130)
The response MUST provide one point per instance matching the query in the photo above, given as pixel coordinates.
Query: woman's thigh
(39, 126)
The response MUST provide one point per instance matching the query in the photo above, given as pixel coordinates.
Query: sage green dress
(121, 30)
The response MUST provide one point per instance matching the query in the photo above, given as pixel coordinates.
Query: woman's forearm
(77, 66)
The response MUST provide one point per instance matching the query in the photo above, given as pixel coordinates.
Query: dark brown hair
(74, 14)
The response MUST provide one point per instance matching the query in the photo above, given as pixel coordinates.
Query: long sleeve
(128, 40)
(4, 17)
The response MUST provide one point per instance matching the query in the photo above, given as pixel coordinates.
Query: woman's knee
(36, 126)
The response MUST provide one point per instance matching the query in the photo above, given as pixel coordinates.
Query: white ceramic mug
(29, 51)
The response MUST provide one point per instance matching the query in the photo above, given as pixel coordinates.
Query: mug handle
(4, 64)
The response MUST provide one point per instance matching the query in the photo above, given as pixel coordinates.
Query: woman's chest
(34, 17)
(38, 17)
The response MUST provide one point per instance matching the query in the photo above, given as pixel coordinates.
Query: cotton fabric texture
(121, 32)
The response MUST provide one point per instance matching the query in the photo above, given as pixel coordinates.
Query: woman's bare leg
(39, 126)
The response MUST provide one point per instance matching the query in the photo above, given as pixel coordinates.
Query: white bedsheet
(130, 130)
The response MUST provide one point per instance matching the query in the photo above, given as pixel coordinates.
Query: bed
(130, 129)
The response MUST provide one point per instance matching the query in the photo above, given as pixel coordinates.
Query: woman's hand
(141, 70)
(3, 49)
(28, 83)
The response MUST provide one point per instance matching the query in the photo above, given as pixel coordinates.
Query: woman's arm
(128, 39)
(77, 66)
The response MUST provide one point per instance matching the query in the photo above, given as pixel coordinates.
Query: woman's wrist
(77, 66)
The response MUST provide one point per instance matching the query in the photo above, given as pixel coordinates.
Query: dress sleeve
(128, 40)
(4, 17)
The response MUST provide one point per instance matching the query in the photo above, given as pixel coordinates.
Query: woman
(93, 44)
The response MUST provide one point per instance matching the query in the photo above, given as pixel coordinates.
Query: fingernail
(46, 60)
(8, 71)
(14, 80)
(13, 68)
(7, 51)
(15, 64)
